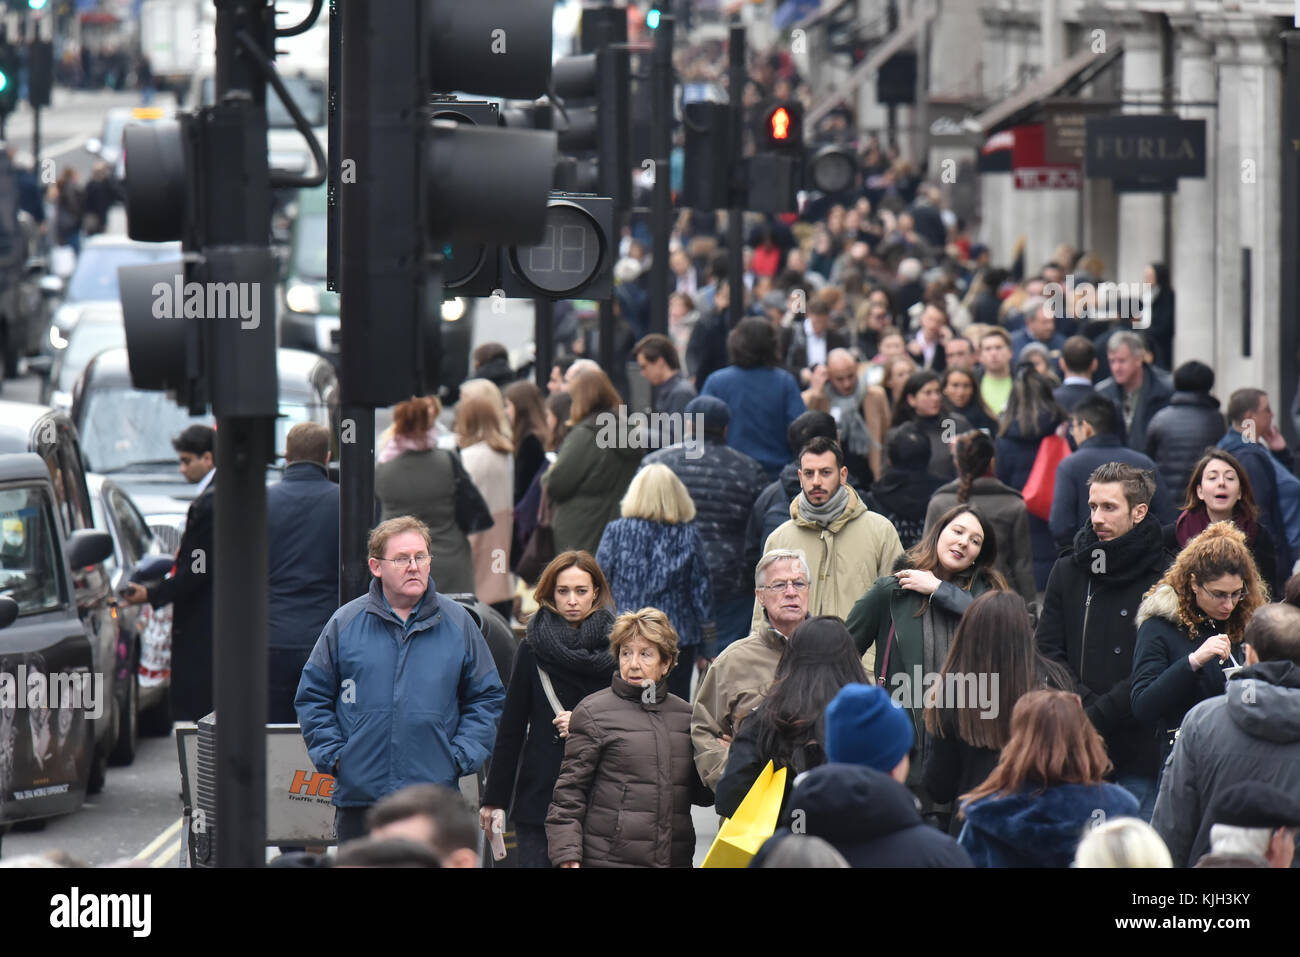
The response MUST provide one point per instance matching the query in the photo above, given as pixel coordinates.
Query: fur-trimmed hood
(1161, 603)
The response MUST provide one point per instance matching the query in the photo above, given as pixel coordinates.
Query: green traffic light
(36, 4)
(4, 81)
(652, 19)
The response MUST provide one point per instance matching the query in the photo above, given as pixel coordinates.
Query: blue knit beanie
(863, 726)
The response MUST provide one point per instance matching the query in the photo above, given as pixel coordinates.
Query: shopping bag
(754, 822)
(1042, 477)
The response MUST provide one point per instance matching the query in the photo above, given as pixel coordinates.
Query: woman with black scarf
(563, 658)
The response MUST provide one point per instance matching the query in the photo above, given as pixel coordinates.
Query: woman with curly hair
(1190, 626)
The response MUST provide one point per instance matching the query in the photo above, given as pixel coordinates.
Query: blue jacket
(1070, 495)
(662, 566)
(724, 484)
(763, 403)
(1277, 493)
(398, 704)
(1039, 829)
(302, 522)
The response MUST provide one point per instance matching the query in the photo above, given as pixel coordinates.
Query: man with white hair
(1255, 825)
(1134, 386)
(739, 678)
(579, 366)
(908, 291)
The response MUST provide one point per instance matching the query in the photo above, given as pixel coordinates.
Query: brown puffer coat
(624, 795)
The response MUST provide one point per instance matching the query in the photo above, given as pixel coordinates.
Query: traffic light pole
(736, 213)
(661, 128)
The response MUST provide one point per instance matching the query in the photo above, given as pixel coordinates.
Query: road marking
(169, 856)
(63, 146)
(161, 839)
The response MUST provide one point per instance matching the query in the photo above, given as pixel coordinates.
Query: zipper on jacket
(1083, 652)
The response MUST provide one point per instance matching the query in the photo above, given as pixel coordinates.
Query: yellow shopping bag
(754, 822)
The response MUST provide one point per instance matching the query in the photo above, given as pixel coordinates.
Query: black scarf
(1125, 558)
(582, 652)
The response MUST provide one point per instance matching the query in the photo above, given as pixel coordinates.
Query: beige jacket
(735, 684)
(494, 474)
(844, 558)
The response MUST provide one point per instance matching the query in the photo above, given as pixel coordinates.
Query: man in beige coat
(847, 546)
(740, 677)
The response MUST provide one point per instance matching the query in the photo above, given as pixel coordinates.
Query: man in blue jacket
(1095, 427)
(400, 688)
(1253, 438)
(302, 520)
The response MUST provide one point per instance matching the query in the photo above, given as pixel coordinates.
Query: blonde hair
(1125, 842)
(657, 495)
(481, 417)
(650, 624)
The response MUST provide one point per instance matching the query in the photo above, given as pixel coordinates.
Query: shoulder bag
(472, 512)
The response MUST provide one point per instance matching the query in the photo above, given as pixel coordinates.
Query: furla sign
(1145, 148)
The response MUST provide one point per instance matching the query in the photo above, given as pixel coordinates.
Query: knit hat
(863, 726)
(717, 415)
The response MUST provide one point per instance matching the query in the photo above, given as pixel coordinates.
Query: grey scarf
(824, 514)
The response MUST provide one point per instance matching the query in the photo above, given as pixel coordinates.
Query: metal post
(661, 145)
(544, 335)
(736, 213)
(356, 500)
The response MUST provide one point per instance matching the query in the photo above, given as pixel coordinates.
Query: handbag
(1041, 483)
(539, 550)
(472, 512)
(742, 834)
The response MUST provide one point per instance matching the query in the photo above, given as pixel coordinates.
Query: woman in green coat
(906, 621)
(595, 465)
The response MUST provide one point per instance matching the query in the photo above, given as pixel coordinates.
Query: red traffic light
(779, 123)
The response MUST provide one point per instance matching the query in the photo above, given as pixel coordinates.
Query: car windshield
(29, 568)
(307, 93)
(84, 341)
(309, 253)
(121, 428)
(95, 278)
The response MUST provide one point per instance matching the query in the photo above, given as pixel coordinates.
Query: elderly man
(401, 688)
(1133, 386)
(1253, 825)
(739, 678)
(1040, 326)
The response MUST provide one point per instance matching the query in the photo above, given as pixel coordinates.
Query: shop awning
(1075, 72)
(900, 38)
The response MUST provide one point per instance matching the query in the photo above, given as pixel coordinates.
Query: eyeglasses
(400, 561)
(777, 588)
(1232, 596)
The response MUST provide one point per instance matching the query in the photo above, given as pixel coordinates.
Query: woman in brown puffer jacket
(624, 795)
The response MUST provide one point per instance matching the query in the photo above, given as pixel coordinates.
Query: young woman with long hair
(1048, 787)
(483, 435)
(788, 728)
(995, 661)
(921, 403)
(529, 432)
(961, 392)
(567, 640)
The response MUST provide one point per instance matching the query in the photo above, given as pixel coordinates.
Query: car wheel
(156, 721)
(128, 734)
(98, 775)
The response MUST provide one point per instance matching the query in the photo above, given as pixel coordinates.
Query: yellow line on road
(161, 839)
(168, 857)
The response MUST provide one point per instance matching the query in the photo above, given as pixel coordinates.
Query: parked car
(108, 145)
(99, 328)
(26, 427)
(137, 557)
(94, 281)
(50, 757)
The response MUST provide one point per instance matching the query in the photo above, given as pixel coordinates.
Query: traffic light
(10, 66)
(781, 128)
(707, 172)
(831, 169)
(775, 170)
(40, 72)
(652, 17)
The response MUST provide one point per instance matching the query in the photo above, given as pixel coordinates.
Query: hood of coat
(905, 493)
(1199, 399)
(851, 804)
(852, 509)
(605, 428)
(1264, 701)
(1138, 553)
(790, 480)
(1161, 603)
(1047, 825)
(984, 485)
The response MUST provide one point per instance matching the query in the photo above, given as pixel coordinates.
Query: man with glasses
(401, 688)
(740, 676)
(1089, 614)
(847, 546)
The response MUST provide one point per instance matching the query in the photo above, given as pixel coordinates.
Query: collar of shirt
(205, 482)
(1077, 380)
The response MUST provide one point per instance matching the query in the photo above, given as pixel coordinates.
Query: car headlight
(453, 309)
(57, 339)
(302, 298)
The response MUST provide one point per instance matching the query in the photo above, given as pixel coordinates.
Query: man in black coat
(1251, 732)
(1088, 622)
(302, 518)
(189, 589)
(1134, 386)
(1078, 363)
(1094, 427)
